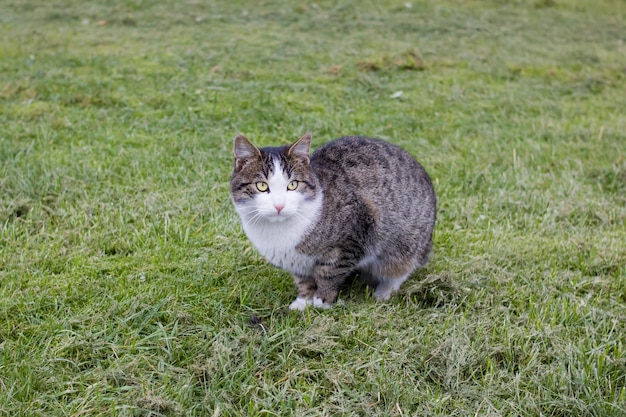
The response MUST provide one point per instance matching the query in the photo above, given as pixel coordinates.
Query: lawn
(127, 287)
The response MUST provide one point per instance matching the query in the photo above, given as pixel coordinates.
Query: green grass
(127, 287)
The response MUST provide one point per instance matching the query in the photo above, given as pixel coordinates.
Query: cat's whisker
(256, 218)
(300, 216)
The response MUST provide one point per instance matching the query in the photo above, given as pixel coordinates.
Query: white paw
(317, 302)
(300, 303)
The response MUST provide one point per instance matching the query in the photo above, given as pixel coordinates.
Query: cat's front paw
(301, 303)
(317, 302)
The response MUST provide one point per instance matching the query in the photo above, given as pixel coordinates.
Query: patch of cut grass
(128, 288)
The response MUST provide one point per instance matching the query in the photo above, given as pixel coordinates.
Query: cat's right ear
(244, 150)
(302, 147)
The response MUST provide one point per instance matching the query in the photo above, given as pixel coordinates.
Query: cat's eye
(262, 186)
(292, 185)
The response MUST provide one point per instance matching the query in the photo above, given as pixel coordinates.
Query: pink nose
(279, 207)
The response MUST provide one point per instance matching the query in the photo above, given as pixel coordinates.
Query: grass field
(127, 287)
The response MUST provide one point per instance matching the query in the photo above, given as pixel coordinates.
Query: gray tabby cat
(356, 205)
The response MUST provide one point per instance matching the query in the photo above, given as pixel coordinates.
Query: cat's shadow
(425, 288)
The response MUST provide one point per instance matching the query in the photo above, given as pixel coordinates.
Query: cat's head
(273, 184)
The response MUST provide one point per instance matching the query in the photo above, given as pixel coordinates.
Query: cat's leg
(306, 291)
(326, 293)
(388, 286)
(367, 278)
(389, 273)
(329, 277)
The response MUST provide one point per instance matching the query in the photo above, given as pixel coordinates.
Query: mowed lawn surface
(127, 287)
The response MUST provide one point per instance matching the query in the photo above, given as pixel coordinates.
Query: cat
(356, 205)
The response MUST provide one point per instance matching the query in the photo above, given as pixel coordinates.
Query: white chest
(277, 243)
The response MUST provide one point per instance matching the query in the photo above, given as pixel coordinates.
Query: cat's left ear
(302, 147)
(244, 150)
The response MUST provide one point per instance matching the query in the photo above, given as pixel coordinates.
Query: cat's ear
(244, 149)
(301, 147)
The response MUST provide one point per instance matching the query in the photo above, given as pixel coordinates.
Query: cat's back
(370, 166)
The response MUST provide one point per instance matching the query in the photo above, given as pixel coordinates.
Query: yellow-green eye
(262, 186)
(292, 185)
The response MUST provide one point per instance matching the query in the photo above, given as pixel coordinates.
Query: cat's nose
(279, 207)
